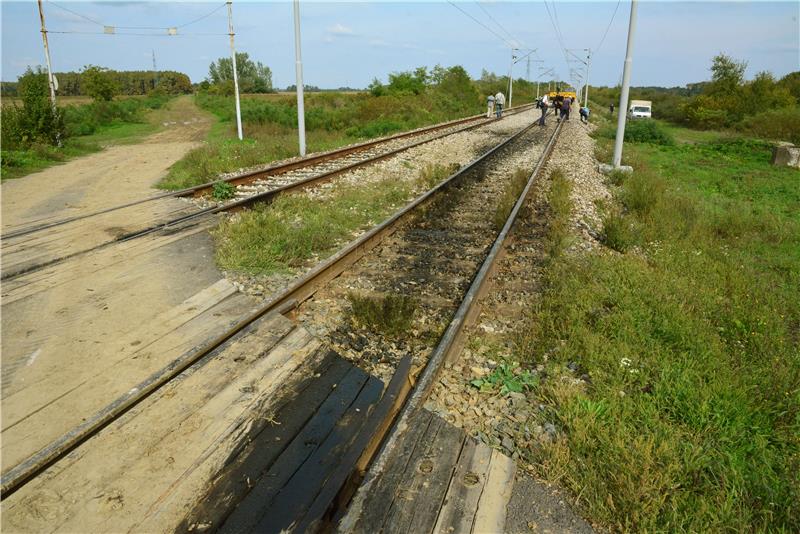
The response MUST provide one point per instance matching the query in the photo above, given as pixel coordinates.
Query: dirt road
(114, 176)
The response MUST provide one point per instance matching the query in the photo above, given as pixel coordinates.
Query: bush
(778, 124)
(647, 131)
(36, 121)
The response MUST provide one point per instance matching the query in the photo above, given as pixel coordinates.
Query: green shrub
(223, 190)
(647, 131)
(36, 121)
(779, 124)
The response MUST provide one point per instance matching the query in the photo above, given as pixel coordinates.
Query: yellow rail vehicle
(562, 94)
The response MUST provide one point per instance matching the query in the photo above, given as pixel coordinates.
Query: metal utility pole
(626, 83)
(301, 114)
(235, 75)
(50, 78)
(511, 76)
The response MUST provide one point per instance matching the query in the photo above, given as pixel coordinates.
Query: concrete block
(605, 168)
(786, 155)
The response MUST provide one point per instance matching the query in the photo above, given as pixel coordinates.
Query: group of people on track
(561, 107)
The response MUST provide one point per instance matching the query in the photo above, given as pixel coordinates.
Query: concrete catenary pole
(50, 78)
(511, 77)
(588, 63)
(626, 83)
(235, 74)
(301, 114)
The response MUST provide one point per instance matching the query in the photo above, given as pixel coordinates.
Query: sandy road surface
(114, 176)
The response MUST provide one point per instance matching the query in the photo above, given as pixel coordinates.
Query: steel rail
(266, 196)
(448, 344)
(302, 289)
(272, 170)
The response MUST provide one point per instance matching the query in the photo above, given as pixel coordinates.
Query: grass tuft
(510, 196)
(432, 174)
(560, 203)
(390, 314)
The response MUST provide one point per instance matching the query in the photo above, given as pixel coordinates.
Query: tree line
(124, 82)
(728, 100)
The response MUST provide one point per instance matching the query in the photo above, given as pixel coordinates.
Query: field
(61, 101)
(688, 329)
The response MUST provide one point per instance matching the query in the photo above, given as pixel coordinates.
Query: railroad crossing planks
(436, 480)
(147, 470)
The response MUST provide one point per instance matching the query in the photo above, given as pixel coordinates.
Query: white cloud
(339, 29)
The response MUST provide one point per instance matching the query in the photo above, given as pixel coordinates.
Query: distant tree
(254, 77)
(405, 83)
(792, 83)
(727, 75)
(457, 85)
(99, 83)
(376, 88)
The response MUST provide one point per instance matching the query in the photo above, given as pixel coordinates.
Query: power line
(597, 48)
(141, 34)
(510, 45)
(93, 21)
(203, 17)
(497, 23)
(59, 6)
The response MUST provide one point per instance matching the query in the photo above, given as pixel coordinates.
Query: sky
(349, 44)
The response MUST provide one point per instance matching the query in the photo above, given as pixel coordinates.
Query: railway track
(416, 225)
(33, 248)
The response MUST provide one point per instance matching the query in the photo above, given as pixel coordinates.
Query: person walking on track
(565, 109)
(489, 106)
(543, 105)
(611, 109)
(499, 103)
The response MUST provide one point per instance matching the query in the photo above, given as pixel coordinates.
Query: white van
(640, 109)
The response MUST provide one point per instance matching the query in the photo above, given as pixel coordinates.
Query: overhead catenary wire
(597, 48)
(497, 23)
(506, 41)
(140, 34)
(166, 28)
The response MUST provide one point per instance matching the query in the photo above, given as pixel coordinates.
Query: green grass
(509, 197)
(690, 421)
(560, 203)
(282, 236)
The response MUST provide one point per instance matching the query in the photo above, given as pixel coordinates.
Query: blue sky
(347, 44)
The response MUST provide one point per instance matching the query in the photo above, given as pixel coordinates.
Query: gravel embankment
(502, 420)
(516, 423)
